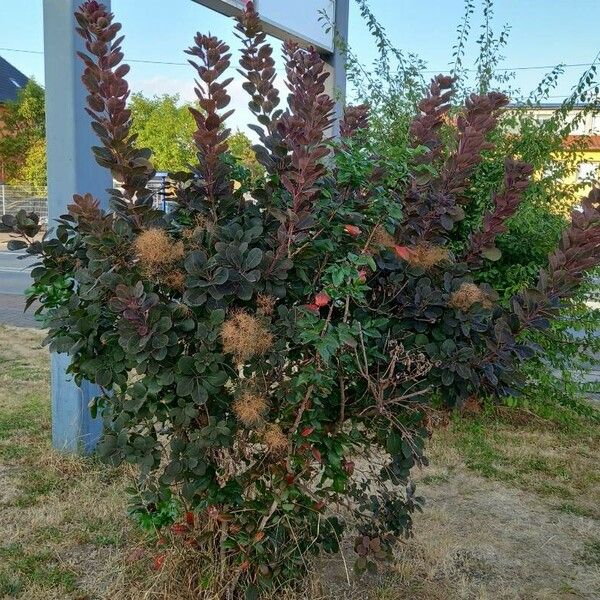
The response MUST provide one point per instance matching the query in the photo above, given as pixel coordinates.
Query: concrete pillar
(71, 169)
(337, 63)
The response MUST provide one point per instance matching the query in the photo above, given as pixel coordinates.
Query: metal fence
(14, 198)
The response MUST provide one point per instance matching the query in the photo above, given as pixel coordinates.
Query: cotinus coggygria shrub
(270, 352)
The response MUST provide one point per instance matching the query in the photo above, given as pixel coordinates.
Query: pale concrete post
(71, 169)
(337, 63)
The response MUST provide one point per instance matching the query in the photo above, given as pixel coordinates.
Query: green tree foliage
(22, 143)
(34, 170)
(166, 126)
(241, 149)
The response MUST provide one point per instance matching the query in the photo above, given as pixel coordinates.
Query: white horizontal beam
(287, 19)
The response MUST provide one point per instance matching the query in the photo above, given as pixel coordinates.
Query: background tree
(166, 126)
(240, 147)
(22, 148)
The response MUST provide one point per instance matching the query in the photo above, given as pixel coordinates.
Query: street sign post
(72, 168)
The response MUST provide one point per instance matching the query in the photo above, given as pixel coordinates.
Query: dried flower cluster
(467, 295)
(250, 409)
(427, 256)
(157, 251)
(275, 439)
(381, 238)
(243, 335)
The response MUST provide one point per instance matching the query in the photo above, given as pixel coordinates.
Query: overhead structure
(304, 22)
(72, 168)
(289, 19)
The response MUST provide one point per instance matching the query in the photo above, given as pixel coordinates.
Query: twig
(266, 518)
(302, 408)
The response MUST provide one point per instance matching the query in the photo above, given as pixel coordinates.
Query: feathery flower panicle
(265, 304)
(176, 280)
(381, 238)
(243, 335)
(467, 295)
(275, 439)
(427, 256)
(249, 409)
(156, 250)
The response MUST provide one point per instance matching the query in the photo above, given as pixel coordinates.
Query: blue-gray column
(71, 169)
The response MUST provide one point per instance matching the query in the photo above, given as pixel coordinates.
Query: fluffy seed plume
(467, 295)
(244, 336)
(175, 280)
(157, 250)
(426, 257)
(275, 439)
(249, 409)
(265, 304)
(380, 238)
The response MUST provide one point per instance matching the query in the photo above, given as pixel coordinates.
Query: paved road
(14, 280)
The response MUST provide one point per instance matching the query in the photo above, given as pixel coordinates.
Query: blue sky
(543, 32)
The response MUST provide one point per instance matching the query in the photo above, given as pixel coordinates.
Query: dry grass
(512, 512)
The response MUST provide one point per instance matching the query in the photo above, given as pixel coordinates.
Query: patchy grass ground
(513, 510)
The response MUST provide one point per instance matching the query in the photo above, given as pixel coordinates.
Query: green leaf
(253, 259)
(492, 253)
(421, 339)
(16, 245)
(448, 346)
(195, 262)
(185, 385)
(394, 443)
(252, 593)
(194, 297)
(199, 393)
